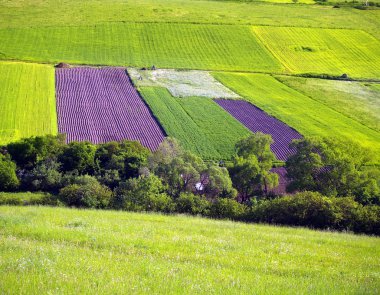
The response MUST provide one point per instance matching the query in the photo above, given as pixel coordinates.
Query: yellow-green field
(192, 46)
(306, 115)
(27, 101)
(331, 51)
(66, 251)
(359, 101)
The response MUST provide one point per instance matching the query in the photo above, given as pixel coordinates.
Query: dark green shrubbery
(8, 177)
(86, 192)
(28, 199)
(192, 204)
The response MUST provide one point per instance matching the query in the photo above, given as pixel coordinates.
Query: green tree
(8, 177)
(250, 171)
(79, 156)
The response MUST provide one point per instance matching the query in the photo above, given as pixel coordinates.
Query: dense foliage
(335, 186)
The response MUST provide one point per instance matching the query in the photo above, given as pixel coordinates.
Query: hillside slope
(56, 250)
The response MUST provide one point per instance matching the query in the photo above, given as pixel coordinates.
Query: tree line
(332, 183)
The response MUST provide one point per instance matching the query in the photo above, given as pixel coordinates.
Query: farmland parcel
(308, 116)
(197, 122)
(100, 105)
(258, 121)
(27, 101)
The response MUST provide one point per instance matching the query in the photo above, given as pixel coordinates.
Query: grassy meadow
(306, 50)
(67, 251)
(27, 101)
(308, 116)
(357, 100)
(200, 124)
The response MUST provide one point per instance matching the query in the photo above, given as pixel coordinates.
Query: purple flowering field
(258, 121)
(101, 105)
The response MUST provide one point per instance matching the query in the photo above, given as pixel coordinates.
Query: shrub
(227, 208)
(192, 204)
(8, 177)
(86, 192)
(302, 209)
(146, 193)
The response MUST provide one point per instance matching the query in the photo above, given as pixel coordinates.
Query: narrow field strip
(258, 121)
(323, 51)
(217, 47)
(27, 101)
(307, 116)
(101, 105)
(198, 123)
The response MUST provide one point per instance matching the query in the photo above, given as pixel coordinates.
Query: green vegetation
(26, 199)
(200, 125)
(359, 101)
(137, 44)
(27, 101)
(305, 50)
(305, 114)
(49, 249)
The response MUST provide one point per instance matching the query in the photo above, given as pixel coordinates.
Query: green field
(67, 251)
(308, 116)
(305, 50)
(27, 101)
(137, 44)
(198, 123)
(47, 13)
(360, 101)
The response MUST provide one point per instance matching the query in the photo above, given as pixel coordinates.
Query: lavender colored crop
(258, 121)
(101, 105)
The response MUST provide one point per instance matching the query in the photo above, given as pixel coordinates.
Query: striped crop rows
(101, 105)
(258, 121)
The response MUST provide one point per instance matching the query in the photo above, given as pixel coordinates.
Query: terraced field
(101, 105)
(197, 122)
(218, 47)
(306, 50)
(27, 101)
(306, 115)
(360, 101)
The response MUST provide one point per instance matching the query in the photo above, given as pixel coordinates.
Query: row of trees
(125, 175)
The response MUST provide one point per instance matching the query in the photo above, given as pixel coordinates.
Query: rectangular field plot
(100, 105)
(258, 121)
(198, 123)
(218, 47)
(357, 100)
(27, 101)
(330, 51)
(306, 115)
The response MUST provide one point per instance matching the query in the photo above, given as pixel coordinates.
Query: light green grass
(360, 101)
(305, 50)
(46, 13)
(163, 45)
(27, 101)
(198, 123)
(306, 115)
(67, 251)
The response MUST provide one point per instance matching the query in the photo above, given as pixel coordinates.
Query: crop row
(102, 105)
(258, 121)
(198, 123)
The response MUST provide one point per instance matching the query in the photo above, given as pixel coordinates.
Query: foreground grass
(57, 250)
(27, 101)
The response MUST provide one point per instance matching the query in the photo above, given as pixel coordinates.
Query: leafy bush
(146, 193)
(227, 208)
(192, 204)
(86, 192)
(8, 177)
